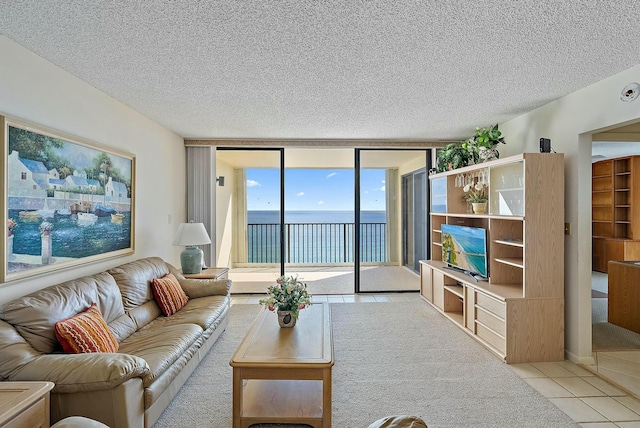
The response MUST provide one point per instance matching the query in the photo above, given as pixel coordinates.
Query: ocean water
(315, 236)
(266, 217)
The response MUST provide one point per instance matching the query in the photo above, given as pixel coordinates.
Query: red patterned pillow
(168, 294)
(86, 332)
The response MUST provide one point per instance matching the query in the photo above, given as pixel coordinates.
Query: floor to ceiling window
(319, 218)
(392, 221)
(249, 216)
(294, 211)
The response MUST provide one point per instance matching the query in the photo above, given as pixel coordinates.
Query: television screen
(465, 248)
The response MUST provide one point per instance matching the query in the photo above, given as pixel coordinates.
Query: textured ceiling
(393, 69)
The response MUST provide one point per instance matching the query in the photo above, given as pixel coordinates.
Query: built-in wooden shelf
(616, 210)
(518, 311)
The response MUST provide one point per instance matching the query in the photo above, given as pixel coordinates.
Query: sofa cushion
(204, 311)
(168, 294)
(122, 327)
(86, 332)
(144, 314)
(35, 314)
(160, 346)
(134, 280)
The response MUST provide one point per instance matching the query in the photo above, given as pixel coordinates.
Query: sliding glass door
(414, 219)
(386, 229)
(249, 217)
(342, 220)
(319, 218)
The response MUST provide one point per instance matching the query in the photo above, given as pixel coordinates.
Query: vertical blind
(201, 179)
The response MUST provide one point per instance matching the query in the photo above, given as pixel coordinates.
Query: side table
(24, 404)
(210, 273)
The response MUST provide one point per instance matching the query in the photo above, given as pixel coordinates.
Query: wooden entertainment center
(519, 312)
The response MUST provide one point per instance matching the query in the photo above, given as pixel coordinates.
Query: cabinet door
(470, 308)
(614, 251)
(506, 197)
(599, 252)
(439, 195)
(438, 289)
(426, 282)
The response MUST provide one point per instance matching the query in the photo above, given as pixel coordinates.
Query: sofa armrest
(195, 288)
(15, 352)
(83, 372)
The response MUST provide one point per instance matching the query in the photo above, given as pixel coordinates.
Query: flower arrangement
(11, 224)
(289, 294)
(476, 193)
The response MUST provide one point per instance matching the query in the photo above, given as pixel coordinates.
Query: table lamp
(191, 234)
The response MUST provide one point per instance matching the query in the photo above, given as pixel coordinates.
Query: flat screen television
(465, 248)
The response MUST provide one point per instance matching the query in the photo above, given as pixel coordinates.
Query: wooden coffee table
(283, 375)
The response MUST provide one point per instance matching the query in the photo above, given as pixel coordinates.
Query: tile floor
(586, 398)
(620, 367)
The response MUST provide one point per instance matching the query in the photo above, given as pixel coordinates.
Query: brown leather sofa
(157, 354)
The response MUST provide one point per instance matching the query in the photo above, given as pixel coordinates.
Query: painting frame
(66, 201)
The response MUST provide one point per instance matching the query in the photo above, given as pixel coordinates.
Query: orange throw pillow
(168, 294)
(86, 332)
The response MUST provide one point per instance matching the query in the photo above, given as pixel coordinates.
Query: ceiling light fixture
(630, 92)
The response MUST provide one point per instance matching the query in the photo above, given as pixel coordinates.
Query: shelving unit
(615, 210)
(519, 312)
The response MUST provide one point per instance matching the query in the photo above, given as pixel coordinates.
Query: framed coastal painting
(67, 201)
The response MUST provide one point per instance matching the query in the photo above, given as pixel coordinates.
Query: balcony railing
(316, 243)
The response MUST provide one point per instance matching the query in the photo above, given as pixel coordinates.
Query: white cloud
(383, 181)
(253, 183)
(332, 174)
(382, 189)
(320, 202)
(300, 194)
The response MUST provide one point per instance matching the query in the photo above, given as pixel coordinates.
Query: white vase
(286, 319)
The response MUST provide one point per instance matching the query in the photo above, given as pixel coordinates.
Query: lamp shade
(190, 234)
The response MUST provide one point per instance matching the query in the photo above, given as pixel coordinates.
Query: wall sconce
(220, 181)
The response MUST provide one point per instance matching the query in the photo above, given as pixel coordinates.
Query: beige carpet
(391, 358)
(329, 280)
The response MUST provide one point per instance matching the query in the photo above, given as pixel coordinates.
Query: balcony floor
(328, 280)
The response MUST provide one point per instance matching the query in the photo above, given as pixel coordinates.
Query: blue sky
(314, 189)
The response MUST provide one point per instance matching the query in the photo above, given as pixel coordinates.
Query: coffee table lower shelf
(282, 401)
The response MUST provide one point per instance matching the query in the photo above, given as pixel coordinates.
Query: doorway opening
(615, 237)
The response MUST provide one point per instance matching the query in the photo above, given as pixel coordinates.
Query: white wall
(569, 122)
(224, 214)
(35, 90)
